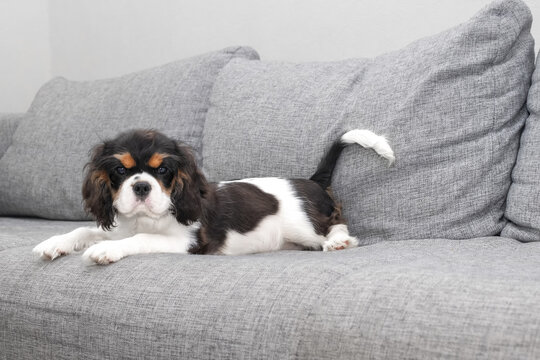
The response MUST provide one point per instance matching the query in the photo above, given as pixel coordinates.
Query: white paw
(55, 246)
(340, 242)
(103, 253)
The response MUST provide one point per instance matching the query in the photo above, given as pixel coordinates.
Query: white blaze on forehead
(155, 205)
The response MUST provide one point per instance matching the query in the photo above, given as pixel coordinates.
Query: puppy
(148, 196)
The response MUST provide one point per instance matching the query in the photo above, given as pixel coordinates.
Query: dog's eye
(161, 170)
(121, 170)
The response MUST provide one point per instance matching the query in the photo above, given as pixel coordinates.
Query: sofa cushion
(17, 232)
(42, 170)
(8, 125)
(452, 106)
(523, 205)
(409, 299)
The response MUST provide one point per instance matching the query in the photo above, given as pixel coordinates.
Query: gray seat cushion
(16, 232)
(432, 298)
(42, 170)
(523, 204)
(452, 106)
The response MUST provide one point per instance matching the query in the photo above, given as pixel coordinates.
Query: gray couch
(450, 235)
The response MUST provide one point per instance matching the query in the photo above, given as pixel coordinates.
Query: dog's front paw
(54, 247)
(104, 253)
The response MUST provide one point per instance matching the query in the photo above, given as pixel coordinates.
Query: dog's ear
(190, 188)
(96, 191)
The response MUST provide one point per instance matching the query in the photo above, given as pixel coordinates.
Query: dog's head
(142, 173)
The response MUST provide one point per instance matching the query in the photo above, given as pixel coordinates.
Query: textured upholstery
(471, 299)
(67, 118)
(8, 125)
(523, 206)
(452, 106)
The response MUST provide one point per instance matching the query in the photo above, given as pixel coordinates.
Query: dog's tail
(364, 138)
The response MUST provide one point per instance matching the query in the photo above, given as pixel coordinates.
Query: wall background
(25, 52)
(92, 39)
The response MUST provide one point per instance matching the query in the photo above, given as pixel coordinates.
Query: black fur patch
(319, 205)
(325, 169)
(234, 206)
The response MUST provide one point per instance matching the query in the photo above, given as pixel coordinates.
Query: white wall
(25, 54)
(91, 39)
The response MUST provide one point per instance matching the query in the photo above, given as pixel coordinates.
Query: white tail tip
(370, 140)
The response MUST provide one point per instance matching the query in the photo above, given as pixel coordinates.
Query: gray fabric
(452, 106)
(8, 125)
(16, 232)
(43, 168)
(523, 204)
(412, 299)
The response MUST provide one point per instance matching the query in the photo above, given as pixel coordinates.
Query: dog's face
(143, 173)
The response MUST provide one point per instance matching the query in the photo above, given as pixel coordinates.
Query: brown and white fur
(148, 196)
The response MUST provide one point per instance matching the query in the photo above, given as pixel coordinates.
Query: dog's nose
(141, 189)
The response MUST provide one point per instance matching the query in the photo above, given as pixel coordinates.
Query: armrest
(8, 125)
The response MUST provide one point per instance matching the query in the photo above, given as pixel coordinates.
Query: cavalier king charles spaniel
(147, 195)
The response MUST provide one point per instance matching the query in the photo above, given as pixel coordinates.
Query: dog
(147, 195)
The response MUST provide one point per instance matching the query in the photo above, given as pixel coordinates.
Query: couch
(448, 265)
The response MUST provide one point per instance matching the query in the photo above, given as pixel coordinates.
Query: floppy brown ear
(189, 189)
(96, 192)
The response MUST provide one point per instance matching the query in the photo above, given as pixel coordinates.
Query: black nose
(141, 188)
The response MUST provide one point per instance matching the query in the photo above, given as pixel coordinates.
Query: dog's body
(148, 196)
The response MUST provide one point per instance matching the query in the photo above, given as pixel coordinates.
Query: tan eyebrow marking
(156, 159)
(126, 160)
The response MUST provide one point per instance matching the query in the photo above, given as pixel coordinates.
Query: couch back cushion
(42, 170)
(452, 106)
(523, 205)
(8, 125)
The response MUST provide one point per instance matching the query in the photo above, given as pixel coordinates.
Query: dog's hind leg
(338, 238)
